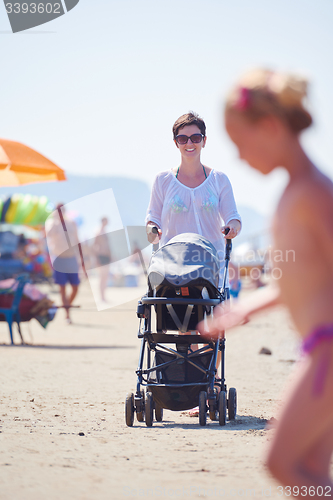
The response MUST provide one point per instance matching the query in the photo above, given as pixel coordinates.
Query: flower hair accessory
(244, 99)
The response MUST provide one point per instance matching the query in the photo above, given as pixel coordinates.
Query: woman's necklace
(202, 167)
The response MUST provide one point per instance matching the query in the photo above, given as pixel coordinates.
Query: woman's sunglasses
(195, 138)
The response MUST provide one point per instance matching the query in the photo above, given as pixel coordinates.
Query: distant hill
(253, 221)
(255, 228)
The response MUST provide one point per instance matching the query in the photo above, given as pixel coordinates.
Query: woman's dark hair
(190, 118)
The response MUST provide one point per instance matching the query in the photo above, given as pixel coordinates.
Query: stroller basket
(175, 383)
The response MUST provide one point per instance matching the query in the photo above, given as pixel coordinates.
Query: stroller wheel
(202, 408)
(158, 413)
(149, 409)
(232, 403)
(213, 415)
(213, 405)
(129, 409)
(140, 415)
(222, 407)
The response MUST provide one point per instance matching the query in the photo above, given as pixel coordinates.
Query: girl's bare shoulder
(309, 197)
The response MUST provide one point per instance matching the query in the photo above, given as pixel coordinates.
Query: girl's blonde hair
(262, 92)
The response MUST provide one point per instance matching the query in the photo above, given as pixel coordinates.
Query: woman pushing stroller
(193, 198)
(190, 205)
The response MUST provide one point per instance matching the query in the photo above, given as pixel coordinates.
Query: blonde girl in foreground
(264, 116)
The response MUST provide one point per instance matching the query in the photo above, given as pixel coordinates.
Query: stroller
(183, 279)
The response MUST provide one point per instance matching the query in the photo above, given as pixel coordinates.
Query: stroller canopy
(188, 257)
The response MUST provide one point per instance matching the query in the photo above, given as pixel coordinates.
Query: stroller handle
(152, 229)
(228, 246)
(179, 300)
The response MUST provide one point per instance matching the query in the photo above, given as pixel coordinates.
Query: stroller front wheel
(202, 408)
(149, 409)
(158, 413)
(222, 407)
(140, 415)
(129, 409)
(232, 403)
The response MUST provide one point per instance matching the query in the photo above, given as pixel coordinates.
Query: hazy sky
(98, 90)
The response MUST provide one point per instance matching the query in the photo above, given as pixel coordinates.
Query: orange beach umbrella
(20, 164)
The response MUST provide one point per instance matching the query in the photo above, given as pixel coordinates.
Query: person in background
(64, 248)
(235, 284)
(101, 249)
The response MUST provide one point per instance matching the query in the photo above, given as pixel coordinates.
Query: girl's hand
(240, 313)
(223, 320)
(234, 227)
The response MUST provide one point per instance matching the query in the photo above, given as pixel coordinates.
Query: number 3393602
(33, 8)
(303, 491)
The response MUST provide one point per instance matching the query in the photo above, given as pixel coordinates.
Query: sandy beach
(62, 427)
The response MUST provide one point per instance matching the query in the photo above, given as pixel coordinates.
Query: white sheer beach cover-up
(177, 209)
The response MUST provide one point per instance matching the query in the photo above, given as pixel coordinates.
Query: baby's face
(254, 141)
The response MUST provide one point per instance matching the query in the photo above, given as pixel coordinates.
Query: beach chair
(11, 313)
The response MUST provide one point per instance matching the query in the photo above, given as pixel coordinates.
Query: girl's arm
(256, 302)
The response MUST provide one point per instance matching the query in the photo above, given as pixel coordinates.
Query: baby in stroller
(183, 279)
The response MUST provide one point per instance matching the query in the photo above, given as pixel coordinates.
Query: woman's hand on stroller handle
(231, 229)
(154, 233)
